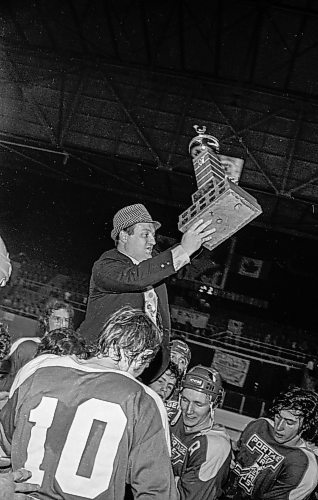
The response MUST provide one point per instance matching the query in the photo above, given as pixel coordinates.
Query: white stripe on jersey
(20, 341)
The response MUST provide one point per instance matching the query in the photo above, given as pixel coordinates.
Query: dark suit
(116, 282)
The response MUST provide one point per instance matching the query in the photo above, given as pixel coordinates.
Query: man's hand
(13, 487)
(196, 235)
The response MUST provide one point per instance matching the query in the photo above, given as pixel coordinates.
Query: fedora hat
(130, 215)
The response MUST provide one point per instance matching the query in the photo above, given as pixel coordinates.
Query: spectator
(275, 459)
(102, 427)
(132, 274)
(201, 451)
(56, 314)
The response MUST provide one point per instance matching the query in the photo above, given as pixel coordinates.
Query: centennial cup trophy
(227, 205)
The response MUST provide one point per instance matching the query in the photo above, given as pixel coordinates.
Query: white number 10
(66, 473)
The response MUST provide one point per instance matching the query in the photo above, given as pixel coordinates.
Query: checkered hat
(128, 216)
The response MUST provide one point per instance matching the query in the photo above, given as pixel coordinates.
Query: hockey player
(166, 383)
(201, 451)
(276, 458)
(181, 356)
(86, 428)
(12, 485)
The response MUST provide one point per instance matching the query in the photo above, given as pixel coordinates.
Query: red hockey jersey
(85, 431)
(265, 469)
(200, 461)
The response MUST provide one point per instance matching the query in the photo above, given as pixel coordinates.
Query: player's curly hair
(53, 304)
(132, 331)
(305, 403)
(173, 367)
(63, 341)
(5, 341)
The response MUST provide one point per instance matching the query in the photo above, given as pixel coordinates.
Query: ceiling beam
(254, 43)
(248, 151)
(299, 39)
(133, 121)
(291, 152)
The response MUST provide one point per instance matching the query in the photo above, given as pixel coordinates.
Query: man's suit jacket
(116, 282)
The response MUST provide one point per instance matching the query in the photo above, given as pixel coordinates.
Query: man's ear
(123, 236)
(140, 359)
(113, 353)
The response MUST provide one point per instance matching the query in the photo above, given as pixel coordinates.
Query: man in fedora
(132, 274)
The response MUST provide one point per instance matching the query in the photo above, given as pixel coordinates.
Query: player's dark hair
(305, 403)
(63, 341)
(50, 306)
(173, 367)
(5, 341)
(132, 331)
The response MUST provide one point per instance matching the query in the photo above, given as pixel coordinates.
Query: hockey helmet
(207, 380)
(182, 348)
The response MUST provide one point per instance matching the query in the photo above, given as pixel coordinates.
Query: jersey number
(66, 473)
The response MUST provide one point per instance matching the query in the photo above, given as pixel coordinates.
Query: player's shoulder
(261, 424)
(89, 376)
(152, 394)
(55, 367)
(22, 344)
(218, 438)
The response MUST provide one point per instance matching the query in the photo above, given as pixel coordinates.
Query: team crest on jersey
(172, 408)
(178, 450)
(267, 457)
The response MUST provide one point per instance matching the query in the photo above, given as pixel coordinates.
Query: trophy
(217, 198)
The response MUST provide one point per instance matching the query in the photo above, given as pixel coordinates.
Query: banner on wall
(233, 369)
(183, 316)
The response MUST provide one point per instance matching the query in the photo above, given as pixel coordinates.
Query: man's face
(287, 425)
(195, 407)
(139, 245)
(179, 360)
(165, 385)
(60, 318)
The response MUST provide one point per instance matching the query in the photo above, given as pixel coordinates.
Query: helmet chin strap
(212, 410)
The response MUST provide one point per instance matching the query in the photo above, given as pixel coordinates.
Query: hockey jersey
(172, 406)
(265, 469)
(85, 431)
(200, 461)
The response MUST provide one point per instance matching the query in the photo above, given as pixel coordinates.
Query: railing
(34, 287)
(244, 404)
(250, 348)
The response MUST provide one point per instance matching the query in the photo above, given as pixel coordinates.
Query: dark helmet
(182, 348)
(207, 380)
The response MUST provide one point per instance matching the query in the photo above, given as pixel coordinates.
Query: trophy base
(229, 212)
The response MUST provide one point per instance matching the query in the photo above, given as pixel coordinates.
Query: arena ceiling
(104, 94)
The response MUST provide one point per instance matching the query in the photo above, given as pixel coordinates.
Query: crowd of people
(113, 410)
